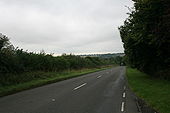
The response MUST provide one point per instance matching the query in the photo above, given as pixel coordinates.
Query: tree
(145, 36)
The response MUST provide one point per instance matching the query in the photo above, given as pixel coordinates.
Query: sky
(64, 26)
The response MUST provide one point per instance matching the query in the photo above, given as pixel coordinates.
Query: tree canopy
(145, 35)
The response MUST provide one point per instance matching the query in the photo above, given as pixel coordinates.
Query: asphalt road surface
(100, 92)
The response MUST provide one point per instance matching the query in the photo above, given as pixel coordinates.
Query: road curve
(100, 92)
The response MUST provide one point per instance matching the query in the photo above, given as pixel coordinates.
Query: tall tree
(146, 38)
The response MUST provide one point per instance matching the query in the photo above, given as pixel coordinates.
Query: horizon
(68, 26)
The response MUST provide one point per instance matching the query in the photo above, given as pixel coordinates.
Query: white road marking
(53, 99)
(122, 107)
(80, 86)
(99, 76)
(124, 87)
(124, 95)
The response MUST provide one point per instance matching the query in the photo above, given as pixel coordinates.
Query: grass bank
(155, 92)
(35, 79)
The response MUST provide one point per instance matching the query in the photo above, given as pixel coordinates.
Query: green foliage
(27, 80)
(118, 60)
(6, 55)
(15, 61)
(145, 35)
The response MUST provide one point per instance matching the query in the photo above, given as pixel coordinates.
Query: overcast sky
(64, 26)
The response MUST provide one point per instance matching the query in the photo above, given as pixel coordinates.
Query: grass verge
(45, 78)
(155, 92)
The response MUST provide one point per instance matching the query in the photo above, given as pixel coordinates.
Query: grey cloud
(64, 26)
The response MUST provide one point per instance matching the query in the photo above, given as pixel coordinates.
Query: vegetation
(154, 91)
(35, 79)
(107, 55)
(21, 69)
(15, 60)
(145, 35)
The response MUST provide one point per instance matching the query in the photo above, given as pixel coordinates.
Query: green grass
(156, 92)
(35, 79)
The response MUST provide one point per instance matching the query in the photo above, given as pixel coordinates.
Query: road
(100, 92)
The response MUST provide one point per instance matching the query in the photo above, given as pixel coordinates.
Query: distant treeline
(108, 55)
(146, 37)
(15, 60)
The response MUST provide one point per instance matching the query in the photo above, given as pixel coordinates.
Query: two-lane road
(99, 92)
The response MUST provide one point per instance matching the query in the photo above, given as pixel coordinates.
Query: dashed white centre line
(53, 99)
(124, 87)
(122, 107)
(80, 86)
(124, 95)
(99, 76)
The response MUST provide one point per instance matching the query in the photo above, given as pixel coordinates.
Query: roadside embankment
(34, 79)
(155, 92)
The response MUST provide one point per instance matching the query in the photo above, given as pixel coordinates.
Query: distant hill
(108, 55)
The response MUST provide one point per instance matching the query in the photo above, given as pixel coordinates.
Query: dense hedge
(15, 60)
(145, 35)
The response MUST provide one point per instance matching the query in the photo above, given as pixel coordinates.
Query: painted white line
(99, 76)
(124, 95)
(80, 86)
(124, 87)
(53, 99)
(122, 107)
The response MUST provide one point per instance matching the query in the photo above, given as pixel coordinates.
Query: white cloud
(64, 26)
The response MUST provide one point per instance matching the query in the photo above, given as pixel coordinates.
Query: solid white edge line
(124, 95)
(122, 107)
(80, 86)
